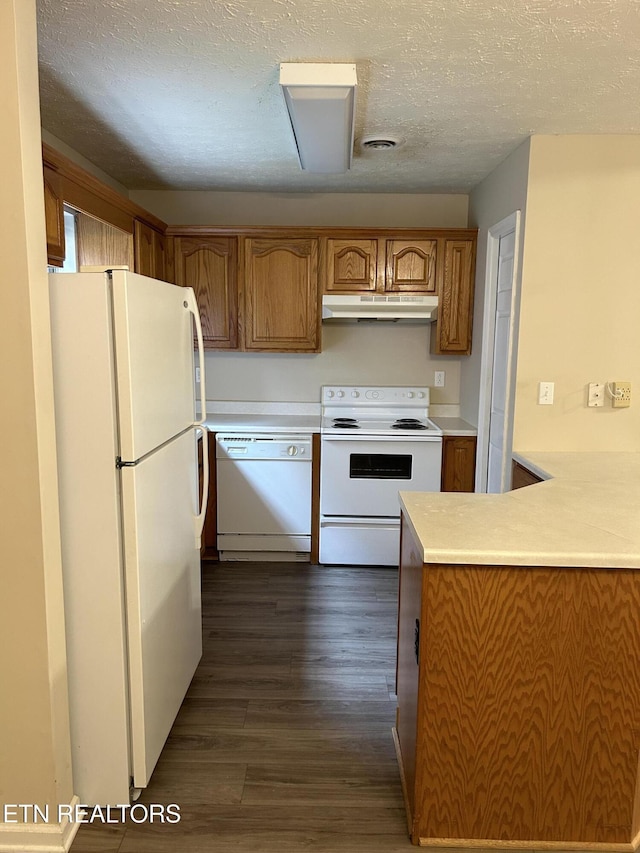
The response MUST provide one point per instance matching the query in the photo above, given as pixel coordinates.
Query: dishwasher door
(264, 495)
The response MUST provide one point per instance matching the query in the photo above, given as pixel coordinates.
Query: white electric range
(375, 442)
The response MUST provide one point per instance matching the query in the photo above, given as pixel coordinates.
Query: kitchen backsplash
(353, 354)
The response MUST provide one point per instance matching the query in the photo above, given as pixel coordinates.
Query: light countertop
(454, 426)
(263, 423)
(296, 418)
(587, 513)
(259, 417)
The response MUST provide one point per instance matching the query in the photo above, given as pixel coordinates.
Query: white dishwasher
(263, 496)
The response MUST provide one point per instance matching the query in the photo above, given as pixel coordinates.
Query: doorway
(497, 390)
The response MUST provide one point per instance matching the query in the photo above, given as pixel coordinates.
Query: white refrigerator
(131, 517)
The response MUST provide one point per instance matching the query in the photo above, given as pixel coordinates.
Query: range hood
(378, 306)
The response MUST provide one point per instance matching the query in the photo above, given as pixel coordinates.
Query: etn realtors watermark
(80, 813)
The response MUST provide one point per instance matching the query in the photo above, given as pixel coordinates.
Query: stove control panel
(396, 395)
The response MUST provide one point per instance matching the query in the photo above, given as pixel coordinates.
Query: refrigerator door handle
(192, 306)
(200, 518)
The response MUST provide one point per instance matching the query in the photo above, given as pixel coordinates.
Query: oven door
(362, 476)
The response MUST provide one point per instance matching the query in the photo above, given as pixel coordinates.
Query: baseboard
(40, 837)
(486, 844)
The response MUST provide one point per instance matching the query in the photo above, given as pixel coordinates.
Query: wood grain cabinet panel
(54, 216)
(144, 256)
(209, 265)
(458, 463)
(521, 476)
(281, 294)
(411, 266)
(149, 250)
(453, 329)
(209, 545)
(351, 265)
(527, 704)
(100, 244)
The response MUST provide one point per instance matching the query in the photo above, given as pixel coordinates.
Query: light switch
(545, 393)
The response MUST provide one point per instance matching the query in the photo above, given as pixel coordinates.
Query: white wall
(353, 353)
(580, 294)
(35, 763)
(332, 209)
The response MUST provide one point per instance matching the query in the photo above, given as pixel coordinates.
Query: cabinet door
(160, 256)
(350, 265)
(458, 463)
(281, 294)
(411, 266)
(209, 266)
(101, 244)
(54, 216)
(149, 253)
(455, 308)
(521, 476)
(209, 547)
(143, 248)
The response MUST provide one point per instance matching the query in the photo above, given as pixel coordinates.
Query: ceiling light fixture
(320, 98)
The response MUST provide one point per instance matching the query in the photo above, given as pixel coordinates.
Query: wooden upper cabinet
(350, 265)
(100, 244)
(54, 216)
(149, 250)
(209, 265)
(411, 266)
(281, 294)
(452, 333)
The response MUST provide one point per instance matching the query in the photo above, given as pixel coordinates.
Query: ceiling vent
(381, 142)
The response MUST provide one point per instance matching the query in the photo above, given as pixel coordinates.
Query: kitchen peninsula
(518, 682)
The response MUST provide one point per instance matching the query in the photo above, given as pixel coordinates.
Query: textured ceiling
(184, 93)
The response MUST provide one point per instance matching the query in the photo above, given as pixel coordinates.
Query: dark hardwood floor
(284, 740)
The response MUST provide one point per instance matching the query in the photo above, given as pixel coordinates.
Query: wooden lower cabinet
(458, 463)
(209, 546)
(518, 720)
(521, 476)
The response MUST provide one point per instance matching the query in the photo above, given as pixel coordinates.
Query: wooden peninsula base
(518, 722)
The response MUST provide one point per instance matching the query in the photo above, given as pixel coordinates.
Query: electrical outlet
(438, 379)
(621, 395)
(596, 394)
(545, 393)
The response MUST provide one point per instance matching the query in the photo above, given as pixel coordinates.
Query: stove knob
(410, 395)
(292, 450)
(340, 394)
(421, 394)
(355, 393)
(329, 394)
